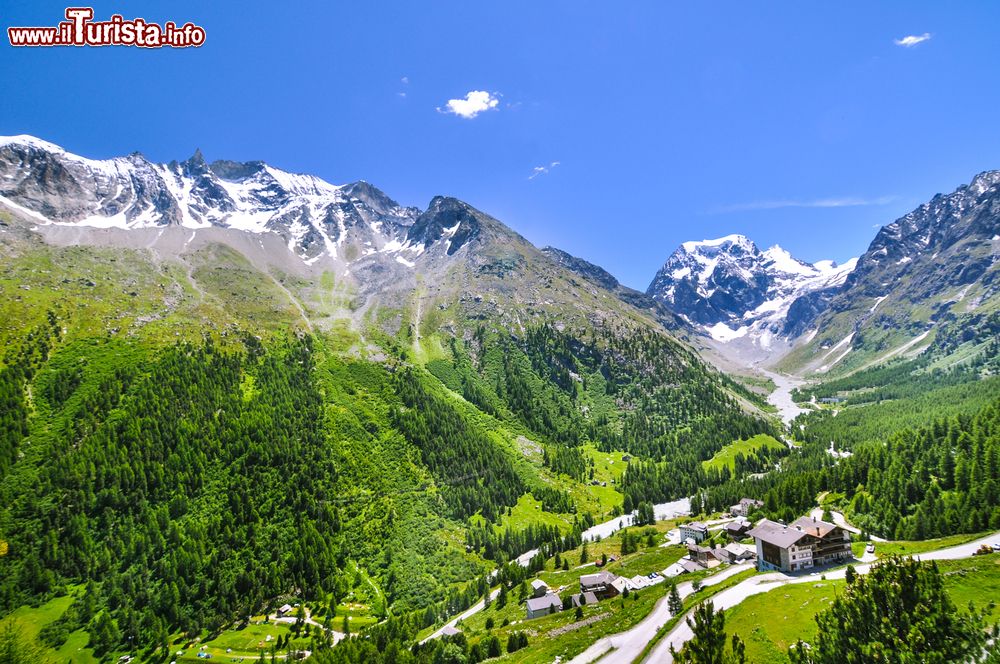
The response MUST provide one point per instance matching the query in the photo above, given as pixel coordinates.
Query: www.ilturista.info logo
(79, 29)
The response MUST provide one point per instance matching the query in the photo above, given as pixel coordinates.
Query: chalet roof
(785, 536)
(675, 569)
(542, 603)
(603, 577)
(621, 584)
(538, 583)
(695, 525)
(449, 630)
(814, 526)
(690, 565)
(776, 533)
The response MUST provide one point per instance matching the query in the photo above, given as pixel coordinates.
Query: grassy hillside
(770, 622)
(195, 439)
(726, 457)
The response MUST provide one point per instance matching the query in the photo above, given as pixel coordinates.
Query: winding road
(471, 611)
(662, 511)
(625, 647)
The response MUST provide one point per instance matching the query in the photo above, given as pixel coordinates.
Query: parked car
(996, 546)
(870, 548)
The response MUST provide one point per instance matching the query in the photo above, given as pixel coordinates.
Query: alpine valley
(246, 413)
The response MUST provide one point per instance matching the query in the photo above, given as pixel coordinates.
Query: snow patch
(843, 342)
(25, 211)
(722, 332)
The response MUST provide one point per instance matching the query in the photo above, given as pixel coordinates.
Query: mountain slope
(436, 396)
(931, 273)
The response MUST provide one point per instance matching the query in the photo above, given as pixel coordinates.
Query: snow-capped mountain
(315, 218)
(732, 289)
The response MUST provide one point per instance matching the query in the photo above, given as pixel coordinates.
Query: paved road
(471, 611)
(662, 511)
(624, 647)
(765, 582)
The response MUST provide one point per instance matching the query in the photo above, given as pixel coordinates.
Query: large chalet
(808, 542)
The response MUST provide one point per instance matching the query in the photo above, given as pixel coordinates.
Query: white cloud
(405, 80)
(475, 102)
(542, 170)
(848, 201)
(912, 40)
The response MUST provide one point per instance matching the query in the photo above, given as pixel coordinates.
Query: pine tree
(900, 612)
(708, 645)
(674, 601)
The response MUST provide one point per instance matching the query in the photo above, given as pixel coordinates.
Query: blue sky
(803, 124)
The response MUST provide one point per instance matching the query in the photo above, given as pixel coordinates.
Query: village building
(601, 584)
(745, 507)
(738, 528)
(734, 552)
(674, 570)
(621, 584)
(450, 630)
(539, 588)
(543, 606)
(706, 556)
(690, 566)
(699, 554)
(284, 610)
(581, 599)
(647, 581)
(695, 530)
(808, 542)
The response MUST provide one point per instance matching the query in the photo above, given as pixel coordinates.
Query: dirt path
(194, 284)
(290, 620)
(417, 312)
(295, 302)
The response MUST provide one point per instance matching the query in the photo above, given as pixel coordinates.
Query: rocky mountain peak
(732, 289)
